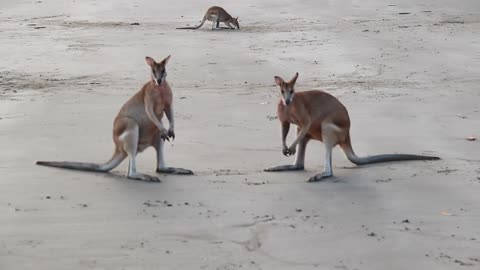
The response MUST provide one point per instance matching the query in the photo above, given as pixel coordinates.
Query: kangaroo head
(235, 22)
(159, 72)
(287, 88)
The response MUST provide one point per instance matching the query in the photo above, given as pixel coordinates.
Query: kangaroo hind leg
(129, 140)
(330, 134)
(161, 166)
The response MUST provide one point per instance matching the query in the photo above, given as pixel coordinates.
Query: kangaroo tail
(82, 166)
(195, 27)
(347, 148)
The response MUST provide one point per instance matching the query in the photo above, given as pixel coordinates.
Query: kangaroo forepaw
(284, 168)
(320, 177)
(171, 170)
(165, 137)
(171, 134)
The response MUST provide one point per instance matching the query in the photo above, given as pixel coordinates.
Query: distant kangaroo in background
(138, 126)
(320, 116)
(217, 15)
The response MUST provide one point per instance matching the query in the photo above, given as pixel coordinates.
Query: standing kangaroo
(217, 15)
(137, 126)
(320, 116)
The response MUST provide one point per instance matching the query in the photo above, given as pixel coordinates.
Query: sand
(67, 67)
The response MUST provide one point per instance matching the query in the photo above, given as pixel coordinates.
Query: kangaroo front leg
(299, 164)
(171, 123)
(300, 136)
(161, 165)
(148, 100)
(285, 130)
(294, 167)
(214, 23)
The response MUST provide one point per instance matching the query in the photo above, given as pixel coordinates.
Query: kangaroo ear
(150, 61)
(294, 79)
(165, 61)
(278, 80)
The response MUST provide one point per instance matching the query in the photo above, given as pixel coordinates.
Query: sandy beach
(407, 71)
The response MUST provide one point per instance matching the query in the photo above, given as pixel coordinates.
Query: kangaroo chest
(162, 100)
(159, 109)
(287, 114)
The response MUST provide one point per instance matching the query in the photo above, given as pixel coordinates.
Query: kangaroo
(217, 15)
(137, 126)
(320, 116)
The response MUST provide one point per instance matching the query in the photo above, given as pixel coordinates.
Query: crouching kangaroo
(217, 15)
(320, 116)
(138, 126)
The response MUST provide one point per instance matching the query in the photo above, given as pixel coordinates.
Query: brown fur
(320, 116)
(138, 126)
(217, 15)
(134, 109)
(315, 108)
